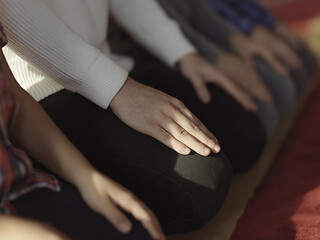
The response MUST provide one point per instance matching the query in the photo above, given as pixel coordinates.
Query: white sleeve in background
(39, 37)
(147, 22)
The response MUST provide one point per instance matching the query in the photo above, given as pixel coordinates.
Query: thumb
(201, 89)
(115, 217)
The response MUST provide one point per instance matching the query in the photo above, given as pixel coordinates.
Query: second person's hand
(295, 41)
(201, 72)
(243, 74)
(249, 50)
(277, 47)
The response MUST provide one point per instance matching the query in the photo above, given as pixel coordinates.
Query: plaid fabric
(17, 176)
(243, 14)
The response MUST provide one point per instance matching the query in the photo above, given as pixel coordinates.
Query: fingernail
(187, 150)
(125, 227)
(207, 150)
(217, 148)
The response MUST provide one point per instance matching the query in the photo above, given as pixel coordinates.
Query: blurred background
(302, 15)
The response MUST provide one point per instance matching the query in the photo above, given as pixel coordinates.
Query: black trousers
(70, 214)
(241, 133)
(185, 192)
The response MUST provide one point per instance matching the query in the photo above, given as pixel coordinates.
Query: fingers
(184, 110)
(261, 92)
(116, 217)
(140, 212)
(179, 139)
(189, 130)
(287, 56)
(295, 42)
(196, 129)
(288, 36)
(167, 139)
(240, 96)
(273, 62)
(256, 87)
(200, 68)
(201, 90)
(180, 130)
(128, 202)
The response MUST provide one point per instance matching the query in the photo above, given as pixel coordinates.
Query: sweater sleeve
(43, 40)
(210, 24)
(205, 47)
(148, 24)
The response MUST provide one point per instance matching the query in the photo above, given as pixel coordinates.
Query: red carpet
(297, 10)
(294, 12)
(287, 203)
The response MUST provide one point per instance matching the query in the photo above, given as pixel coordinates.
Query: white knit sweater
(63, 43)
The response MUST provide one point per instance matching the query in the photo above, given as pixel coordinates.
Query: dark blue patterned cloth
(244, 14)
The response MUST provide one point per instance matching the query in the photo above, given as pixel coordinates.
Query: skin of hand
(52, 149)
(249, 49)
(244, 75)
(15, 228)
(277, 47)
(163, 117)
(291, 38)
(200, 72)
(105, 197)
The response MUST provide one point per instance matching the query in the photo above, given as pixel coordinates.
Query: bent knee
(199, 194)
(269, 116)
(286, 97)
(249, 143)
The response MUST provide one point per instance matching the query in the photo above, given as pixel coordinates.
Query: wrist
(185, 60)
(83, 179)
(124, 90)
(81, 174)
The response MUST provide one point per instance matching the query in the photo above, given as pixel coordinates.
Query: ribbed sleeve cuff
(109, 78)
(182, 48)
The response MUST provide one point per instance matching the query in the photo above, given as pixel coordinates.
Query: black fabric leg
(69, 213)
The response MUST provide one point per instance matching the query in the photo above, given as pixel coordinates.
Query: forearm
(34, 131)
(204, 46)
(217, 29)
(40, 37)
(9, 226)
(14, 228)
